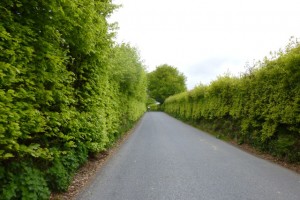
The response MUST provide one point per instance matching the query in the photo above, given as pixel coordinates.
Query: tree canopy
(164, 82)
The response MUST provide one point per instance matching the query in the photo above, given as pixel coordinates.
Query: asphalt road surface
(167, 159)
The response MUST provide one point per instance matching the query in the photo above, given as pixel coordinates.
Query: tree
(164, 82)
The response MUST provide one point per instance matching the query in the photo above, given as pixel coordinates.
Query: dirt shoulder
(247, 148)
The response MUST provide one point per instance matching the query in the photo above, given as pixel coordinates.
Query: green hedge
(66, 91)
(262, 107)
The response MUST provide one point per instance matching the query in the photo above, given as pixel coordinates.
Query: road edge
(87, 173)
(248, 149)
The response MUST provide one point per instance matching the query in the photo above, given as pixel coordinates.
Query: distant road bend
(165, 159)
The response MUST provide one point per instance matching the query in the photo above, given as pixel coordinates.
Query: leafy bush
(22, 181)
(58, 178)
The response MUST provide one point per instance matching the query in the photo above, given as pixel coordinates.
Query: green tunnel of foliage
(66, 91)
(261, 107)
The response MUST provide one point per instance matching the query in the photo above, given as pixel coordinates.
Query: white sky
(206, 38)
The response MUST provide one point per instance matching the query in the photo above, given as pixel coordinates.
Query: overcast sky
(206, 38)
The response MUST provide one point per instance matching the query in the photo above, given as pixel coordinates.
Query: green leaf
(8, 155)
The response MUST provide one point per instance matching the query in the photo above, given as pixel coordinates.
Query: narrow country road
(167, 159)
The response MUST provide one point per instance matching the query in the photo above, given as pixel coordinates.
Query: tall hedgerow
(59, 98)
(262, 107)
(127, 78)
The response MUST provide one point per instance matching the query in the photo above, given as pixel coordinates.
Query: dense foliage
(66, 91)
(165, 81)
(262, 107)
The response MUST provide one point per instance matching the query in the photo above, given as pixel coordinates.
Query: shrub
(22, 181)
